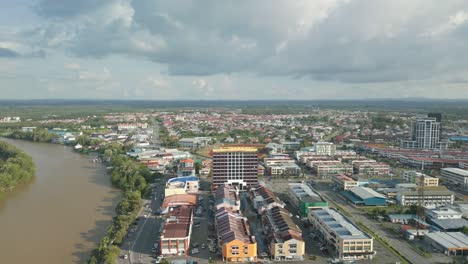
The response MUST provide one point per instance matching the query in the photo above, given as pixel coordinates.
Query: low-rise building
(325, 170)
(182, 185)
(227, 196)
(186, 167)
(175, 236)
(455, 176)
(363, 196)
(263, 199)
(195, 142)
(344, 182)
(443, 213)
(420, 178)
(179, 200)
(371, 168)
(451, 243)
(431, 197)
(345, 240)
(325, 148)
(285, 237)
(234, 237)
(304, 198)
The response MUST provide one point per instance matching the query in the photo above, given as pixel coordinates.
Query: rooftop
(340, 225)
(457, 171)
(304, 193)
(450, 240)
(366, 193)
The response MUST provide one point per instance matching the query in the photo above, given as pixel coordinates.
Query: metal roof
(366, 193)
(457, 171)
(450, 240)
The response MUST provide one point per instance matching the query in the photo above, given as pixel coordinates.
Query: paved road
(401, 245)
(139, 243)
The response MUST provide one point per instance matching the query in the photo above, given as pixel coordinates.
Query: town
(328, 186)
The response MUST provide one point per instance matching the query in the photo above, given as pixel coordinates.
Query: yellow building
(285, 236)
(237, 244)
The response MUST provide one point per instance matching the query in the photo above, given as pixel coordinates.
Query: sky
(233, 49)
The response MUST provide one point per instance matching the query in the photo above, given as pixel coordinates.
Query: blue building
(363, 196)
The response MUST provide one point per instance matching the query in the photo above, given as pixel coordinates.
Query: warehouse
(451, 243)
(363, 196)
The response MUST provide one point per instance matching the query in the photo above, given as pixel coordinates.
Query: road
(139, 243)
(399, 244)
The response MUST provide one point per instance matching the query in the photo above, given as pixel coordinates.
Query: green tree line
(37, 135)
(132, 178)
(15, 167)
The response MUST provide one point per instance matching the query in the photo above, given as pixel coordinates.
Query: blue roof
(183, 179)
(459, 138)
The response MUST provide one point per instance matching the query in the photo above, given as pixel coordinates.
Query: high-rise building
(235, 165)
(425, 134)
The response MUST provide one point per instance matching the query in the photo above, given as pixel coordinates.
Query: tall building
(325, 148)
(235, 165)
(425, 134)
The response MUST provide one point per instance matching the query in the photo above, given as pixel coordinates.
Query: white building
(345, 240)
(443, 213)
(325, 148)
(455, 176)
(425, 134)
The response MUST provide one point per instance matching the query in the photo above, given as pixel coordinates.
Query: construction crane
(420, 206)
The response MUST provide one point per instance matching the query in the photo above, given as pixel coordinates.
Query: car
(125, 256)
(195, 245)
(195, 251)
(203, 246)
(264, 255)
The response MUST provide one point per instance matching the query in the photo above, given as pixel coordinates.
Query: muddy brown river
(59, 216)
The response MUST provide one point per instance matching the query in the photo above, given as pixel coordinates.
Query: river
(60, 215)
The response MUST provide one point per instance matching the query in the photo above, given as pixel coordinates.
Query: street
(139, 243)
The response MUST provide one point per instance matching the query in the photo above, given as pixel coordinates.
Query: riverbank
(16, 167)
(62, 214)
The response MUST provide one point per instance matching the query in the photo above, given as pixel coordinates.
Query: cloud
(72, 66)
(8, 53)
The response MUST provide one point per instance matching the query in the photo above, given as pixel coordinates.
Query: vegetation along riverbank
(16, 167)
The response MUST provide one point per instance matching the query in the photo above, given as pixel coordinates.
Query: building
(443, 213)
(446, 219)
(451, 243)
(420, 178)
(344, 182)
(181, 185)
(235, 165)
(455, 176)
(363, 196)
(227, 196)
(371, 168)
(234, 237)
(304, 198)
(285, 237)
(326, 169)
(195, 142)
(463, 165)
(290, 145)
(344, 239)
(263, 199)
(325, 148)
(433, 196)
(175, 236)
(186, 167)
(425, 134)
(179, 200)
